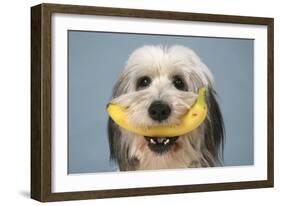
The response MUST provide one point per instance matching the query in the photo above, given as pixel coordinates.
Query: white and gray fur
(200, 148)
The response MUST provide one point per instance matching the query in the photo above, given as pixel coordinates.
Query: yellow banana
(189, 121)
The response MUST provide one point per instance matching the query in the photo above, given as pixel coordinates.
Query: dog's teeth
(166, 141)
(152, 141)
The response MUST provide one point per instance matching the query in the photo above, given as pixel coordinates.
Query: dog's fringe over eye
(143, 82)
(179, 83)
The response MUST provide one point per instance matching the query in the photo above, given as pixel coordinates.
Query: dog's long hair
(203, 147)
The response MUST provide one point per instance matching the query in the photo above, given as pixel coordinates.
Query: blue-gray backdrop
(95, 60)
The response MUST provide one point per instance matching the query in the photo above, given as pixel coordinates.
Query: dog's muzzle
(160, 145)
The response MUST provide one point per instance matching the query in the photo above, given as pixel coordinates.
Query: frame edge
(158, 14)
(36, 138)
(40, 102)
(270, 93)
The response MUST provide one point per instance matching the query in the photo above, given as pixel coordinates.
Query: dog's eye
(143, 82)
(178, 82)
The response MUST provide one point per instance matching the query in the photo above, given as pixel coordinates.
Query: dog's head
(158, 86)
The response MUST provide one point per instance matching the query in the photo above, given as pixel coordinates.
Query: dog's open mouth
(160, 145)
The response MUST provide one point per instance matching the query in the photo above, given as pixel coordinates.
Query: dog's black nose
(159, 111)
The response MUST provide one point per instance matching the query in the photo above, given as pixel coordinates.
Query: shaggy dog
(159, 85)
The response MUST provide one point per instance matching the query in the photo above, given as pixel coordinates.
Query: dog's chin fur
(182, 154)
(201, 147)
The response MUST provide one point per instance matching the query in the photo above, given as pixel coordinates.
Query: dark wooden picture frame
(41, 101)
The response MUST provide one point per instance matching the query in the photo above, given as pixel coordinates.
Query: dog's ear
(113, 131)
(214, 127)
(114, 136)
(121, 86)
(119, 153)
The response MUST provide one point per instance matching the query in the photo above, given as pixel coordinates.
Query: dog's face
(158, 86)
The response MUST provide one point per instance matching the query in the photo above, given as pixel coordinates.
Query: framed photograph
(128, 102)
